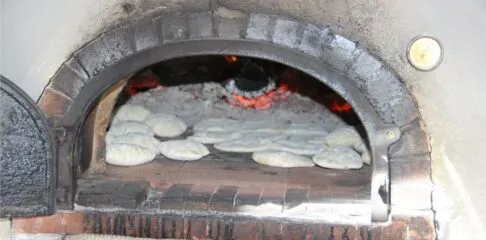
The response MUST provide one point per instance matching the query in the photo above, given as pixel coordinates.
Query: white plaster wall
(38, 36)
(5, 228)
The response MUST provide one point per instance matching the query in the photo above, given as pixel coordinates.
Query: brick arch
(383, 89)
(374, 91)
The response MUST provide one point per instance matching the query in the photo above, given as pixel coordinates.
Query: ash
(194, 102)
(231, 87)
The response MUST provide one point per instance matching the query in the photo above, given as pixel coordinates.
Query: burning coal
(336, 107)
(142, 83)
(263, 101)
(252, 87)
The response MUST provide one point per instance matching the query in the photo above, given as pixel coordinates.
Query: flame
(336, 107)
(231, 58)
(264, 101)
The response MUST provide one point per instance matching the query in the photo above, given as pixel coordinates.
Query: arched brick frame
(376, 93)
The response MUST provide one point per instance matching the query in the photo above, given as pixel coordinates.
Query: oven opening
(226, 134)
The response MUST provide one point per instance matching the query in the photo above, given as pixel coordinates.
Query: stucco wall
(37, 36)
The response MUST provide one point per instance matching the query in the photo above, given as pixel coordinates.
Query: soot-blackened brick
(223, 199)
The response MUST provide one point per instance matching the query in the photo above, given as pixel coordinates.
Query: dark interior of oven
(234, 87)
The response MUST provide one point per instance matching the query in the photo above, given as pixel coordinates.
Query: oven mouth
(225, 189)
(225, 182)
(374, 93)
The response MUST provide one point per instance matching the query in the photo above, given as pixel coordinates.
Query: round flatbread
(365, 156)
(361, 148)
(124, 128)
(166, 125)
(338, 157)
(305, 129)
(216, 124)
(183, 150)
(281, 159)
(260, 126)
(244, 145)
(140, 98)
(131, 112)
(317, 139)
(212, 137)
(136, 139)
(297, 147)
(343, 137)
(264, 136)
(128, 155)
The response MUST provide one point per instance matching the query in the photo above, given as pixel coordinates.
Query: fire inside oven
(241, 124)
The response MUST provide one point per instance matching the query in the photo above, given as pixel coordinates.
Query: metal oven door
(26, 155)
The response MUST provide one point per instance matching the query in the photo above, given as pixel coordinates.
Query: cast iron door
(26, 155)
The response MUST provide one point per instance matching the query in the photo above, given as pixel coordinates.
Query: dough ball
(183, 150)
(166, 125)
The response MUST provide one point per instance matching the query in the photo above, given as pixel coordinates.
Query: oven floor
(235, 185)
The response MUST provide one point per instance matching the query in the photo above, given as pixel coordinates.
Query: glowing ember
(336, 107)
(231, 58)
(142, 83)
(263, 101)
